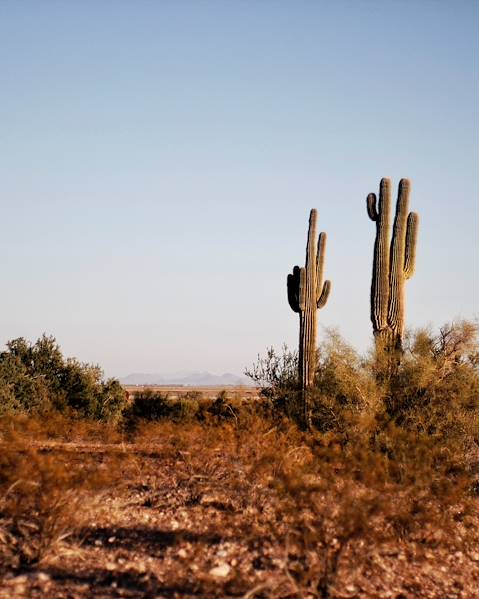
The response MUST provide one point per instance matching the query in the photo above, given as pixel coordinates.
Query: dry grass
(220, 498)
(283, 514)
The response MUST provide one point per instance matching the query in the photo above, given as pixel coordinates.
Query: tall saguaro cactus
(394, 263)
(306, 294)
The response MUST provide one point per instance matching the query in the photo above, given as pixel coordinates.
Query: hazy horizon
(159, 161)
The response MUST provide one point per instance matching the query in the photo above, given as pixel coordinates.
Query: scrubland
(230, 498)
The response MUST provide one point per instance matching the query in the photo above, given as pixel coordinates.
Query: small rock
(110, 566)
(43, 577)
(351, 588)
(182, 553)
(112, 539)
(220, 571)
(474, 556)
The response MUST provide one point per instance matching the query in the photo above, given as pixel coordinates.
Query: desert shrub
(182, 409)
(43, 499)
(193, 395)
(436, 388)
(150, 406)
(329, 502)
(147, 405)
(276, 375)
(222, 409)
(344, 391)
(20, 391)
(338, 496)
(187, 407)
(275, 372)
(36, 377)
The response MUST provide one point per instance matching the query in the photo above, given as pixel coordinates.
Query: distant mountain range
(190, 379)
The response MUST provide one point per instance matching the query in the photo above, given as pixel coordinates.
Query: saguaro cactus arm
(371, 207)
(323, 298)
(322, 289)
(411, 242)
(293, 289)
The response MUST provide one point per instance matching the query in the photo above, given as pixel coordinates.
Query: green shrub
(37, 378)
(276, 375)
(147, 404)
(434, 391)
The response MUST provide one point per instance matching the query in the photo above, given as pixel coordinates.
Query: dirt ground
(185, 524)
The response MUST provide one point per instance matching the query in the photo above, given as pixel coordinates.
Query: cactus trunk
(393, 264)
(306, 294)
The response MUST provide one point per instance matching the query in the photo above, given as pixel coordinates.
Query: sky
(158, 161)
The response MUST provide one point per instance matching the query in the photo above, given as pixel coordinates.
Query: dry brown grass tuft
(44, 496)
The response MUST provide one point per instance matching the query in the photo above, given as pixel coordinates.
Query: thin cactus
(306, 294)
(394, 263)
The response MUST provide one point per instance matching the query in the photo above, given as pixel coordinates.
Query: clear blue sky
(158, 161)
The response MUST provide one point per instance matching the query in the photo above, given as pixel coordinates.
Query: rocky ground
(197, 519)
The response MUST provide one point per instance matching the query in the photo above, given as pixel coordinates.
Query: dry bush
(390, 460)
(57, 427)
(323, 502)
(44, 498)
(150, 405)
(330, 499)
(390, 463)
(344, 390)
(338, 499)
(436, 389)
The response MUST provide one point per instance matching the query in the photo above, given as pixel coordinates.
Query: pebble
(220, 571)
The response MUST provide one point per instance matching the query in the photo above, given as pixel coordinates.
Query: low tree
(37, 378)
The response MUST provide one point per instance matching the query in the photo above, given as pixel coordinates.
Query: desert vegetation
(231, 498)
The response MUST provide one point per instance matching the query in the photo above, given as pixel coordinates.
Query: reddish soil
(188, 525)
